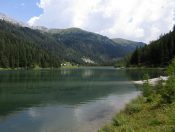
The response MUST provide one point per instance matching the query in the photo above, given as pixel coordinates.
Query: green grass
(154, 111)
(3, 69)
(35, 68)
(143, 116)
(69, 67)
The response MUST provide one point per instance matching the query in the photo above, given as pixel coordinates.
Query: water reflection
(62, 100)
(137, 74)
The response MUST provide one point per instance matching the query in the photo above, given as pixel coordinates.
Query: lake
(65, 100)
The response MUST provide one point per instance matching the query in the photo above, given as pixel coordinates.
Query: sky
(138, 20)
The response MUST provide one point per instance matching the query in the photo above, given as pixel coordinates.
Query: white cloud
(141, 20)
(22, 4)
(33, 20)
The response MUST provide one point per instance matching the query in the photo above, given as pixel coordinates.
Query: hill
(80, 44)
(17, 51)
(158, 53)
(128, 45)
(68, 45)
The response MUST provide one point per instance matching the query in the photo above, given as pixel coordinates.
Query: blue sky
(21, 10)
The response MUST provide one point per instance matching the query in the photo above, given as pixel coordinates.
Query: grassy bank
(154, 111)
(143, 116)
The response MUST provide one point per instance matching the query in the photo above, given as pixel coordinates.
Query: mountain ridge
(126, 41)
(73, 44)
(128, 45)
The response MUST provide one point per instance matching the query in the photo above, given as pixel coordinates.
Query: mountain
(19, 23)
(17, 51)
(128, 45)
(114, 49)
(158, 53)
(13, 21)
(73, 44)
(81, 44)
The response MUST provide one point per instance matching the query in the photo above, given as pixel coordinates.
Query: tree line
(157, 53)
(17, 52)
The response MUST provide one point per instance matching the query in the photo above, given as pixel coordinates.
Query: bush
(171, 68)
(133, 108)
(107, 128)
(154, 122)
(167, 92)
(119, 120)
(147, 89)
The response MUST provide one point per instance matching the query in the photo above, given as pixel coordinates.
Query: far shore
(139, 68)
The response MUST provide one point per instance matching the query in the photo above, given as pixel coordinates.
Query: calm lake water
(65, 100)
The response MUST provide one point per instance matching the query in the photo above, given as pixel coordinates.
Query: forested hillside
(157, 53)
(16, 51)
(26, 47)
(79, 43)
(128, 45)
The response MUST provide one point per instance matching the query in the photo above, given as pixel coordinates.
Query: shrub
(154, 122)
(171, 68)
(119, 120)
(147, 89)
(133, 108)
(107, 128)
(167, 92)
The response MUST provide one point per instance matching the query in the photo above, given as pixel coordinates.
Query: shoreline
(146, 112)
(15, 69)
(140, 116)
(152, 81)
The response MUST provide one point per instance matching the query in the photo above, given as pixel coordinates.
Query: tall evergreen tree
(157, 53)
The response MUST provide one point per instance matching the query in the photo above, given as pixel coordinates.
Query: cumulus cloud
(141, 20)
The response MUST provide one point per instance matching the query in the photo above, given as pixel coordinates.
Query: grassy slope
(142, 116)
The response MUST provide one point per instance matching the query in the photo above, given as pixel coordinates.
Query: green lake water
(65, 100)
